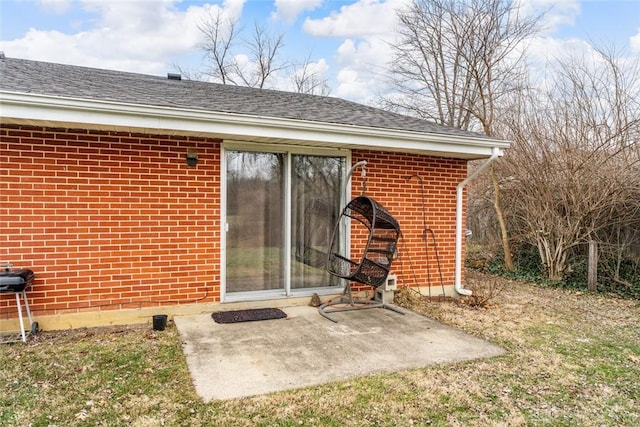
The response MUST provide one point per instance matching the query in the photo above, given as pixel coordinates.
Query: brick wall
(386, 182)
(112, 220)
(109, 220)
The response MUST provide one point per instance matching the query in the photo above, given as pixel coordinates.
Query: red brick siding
(386, 182)
(109, 220)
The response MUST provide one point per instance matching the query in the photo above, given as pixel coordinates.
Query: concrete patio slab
(245, 359)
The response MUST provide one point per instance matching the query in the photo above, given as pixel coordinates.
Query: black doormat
(248, 315)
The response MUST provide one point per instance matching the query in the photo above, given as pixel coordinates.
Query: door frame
(288, 151)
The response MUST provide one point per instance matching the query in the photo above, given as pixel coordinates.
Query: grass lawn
(573, 359)
(252, 262)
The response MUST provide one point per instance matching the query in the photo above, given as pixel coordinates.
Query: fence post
(592, 280)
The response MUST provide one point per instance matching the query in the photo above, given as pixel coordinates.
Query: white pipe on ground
(495, 154)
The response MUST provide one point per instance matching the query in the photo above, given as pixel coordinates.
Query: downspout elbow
(496, 153)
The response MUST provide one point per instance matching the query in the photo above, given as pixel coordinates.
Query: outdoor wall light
(192, 158)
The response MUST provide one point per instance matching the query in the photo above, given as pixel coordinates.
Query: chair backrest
(378, 231)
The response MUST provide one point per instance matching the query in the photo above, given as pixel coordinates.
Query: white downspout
(495, 154)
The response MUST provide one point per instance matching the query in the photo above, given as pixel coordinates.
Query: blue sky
(346, 39)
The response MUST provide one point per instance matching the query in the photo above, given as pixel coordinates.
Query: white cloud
(634, 42)
(138, 36)
(546, 54)
(320, 67)
(347, 51)
(351, 85)
(288, 10)
(368, 27)
(57, 6)
(283, 80)
(556, 13)
(548, 48)
(369, 53)
(232, 7)
(364, 17)
(363, 71)
(93, 49)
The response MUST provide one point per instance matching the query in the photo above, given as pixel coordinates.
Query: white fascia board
(30, 108)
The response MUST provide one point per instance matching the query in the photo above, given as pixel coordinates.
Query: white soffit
(41, 110)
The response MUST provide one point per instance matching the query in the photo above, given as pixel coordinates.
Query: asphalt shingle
(43, 78)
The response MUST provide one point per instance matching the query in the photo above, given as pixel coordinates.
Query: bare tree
(264, 48)
(454, 62)
(227, 65)
(428, 68)
(306, 78)
(254, 61)
(455, 59)
(575, 170)
(219, 37)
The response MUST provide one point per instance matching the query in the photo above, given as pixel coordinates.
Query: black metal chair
(371, 221)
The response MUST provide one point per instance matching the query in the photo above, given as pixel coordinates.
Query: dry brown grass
(573, 359)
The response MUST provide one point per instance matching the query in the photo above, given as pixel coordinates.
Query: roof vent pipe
(495, 154)
(174, 76)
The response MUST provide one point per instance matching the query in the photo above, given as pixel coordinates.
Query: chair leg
(351, 304)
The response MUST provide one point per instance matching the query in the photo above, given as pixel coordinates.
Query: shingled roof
(52, 94)
(44, 78)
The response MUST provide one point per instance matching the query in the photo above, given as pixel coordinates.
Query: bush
(489, 259)
(627, 285)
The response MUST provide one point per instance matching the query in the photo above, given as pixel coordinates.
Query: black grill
(15, 280)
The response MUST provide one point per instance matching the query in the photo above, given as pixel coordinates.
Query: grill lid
(15, 279)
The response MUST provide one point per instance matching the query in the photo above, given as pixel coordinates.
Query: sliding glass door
(255, 233)
(315, 188)
(280, 212)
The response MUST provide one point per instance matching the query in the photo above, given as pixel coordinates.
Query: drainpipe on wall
(495, 154)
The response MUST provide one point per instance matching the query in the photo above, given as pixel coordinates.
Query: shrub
(489, 259)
